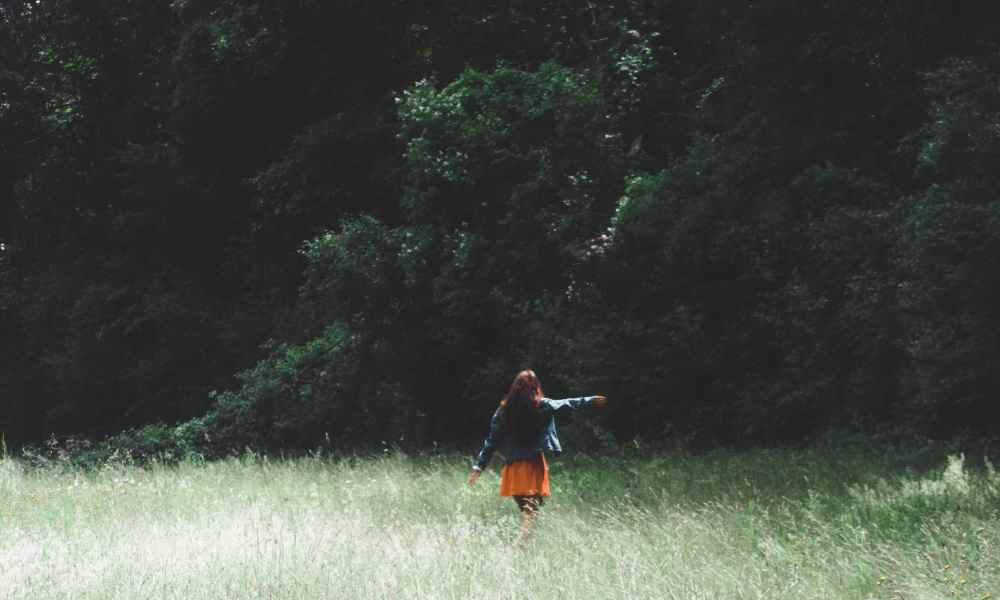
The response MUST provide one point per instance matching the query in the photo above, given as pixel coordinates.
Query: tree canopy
(275, 224)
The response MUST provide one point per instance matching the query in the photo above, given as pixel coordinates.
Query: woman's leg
(529, 506)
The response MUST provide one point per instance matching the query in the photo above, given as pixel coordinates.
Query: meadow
(861, 523)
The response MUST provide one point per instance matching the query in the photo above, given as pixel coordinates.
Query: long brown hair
(521, 416)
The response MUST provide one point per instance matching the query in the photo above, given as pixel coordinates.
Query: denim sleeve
(560, 407)
(489, 444)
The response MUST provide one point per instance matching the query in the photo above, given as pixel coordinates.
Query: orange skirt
(528, 477)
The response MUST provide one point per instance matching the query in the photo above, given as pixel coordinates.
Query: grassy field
(798, 524)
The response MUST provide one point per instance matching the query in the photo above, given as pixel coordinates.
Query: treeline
(291, 224)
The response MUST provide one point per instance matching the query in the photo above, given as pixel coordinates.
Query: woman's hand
(600, 401)
(474, 476)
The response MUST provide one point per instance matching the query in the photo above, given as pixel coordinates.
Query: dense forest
(291, 224)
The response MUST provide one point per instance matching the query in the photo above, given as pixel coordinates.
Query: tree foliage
(248, 222)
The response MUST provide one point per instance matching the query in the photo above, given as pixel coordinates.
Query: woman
(522, 428)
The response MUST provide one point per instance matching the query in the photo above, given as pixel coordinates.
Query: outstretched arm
(571, 404)
(488, 449)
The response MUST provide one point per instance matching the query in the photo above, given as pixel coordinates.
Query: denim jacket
(513, 450)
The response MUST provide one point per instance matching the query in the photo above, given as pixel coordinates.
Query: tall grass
(758, 524)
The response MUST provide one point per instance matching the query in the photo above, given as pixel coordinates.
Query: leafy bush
(324, 392)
